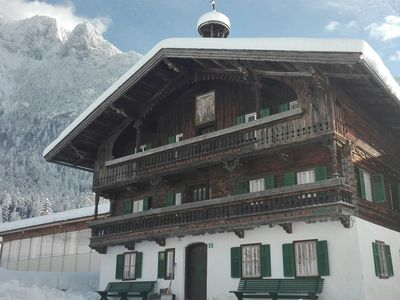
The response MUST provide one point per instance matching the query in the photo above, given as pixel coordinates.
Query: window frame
(166, 276)
(259, 261)
(196, 187)
(303, 172)
(250, 115)
(134, 269)
(295, 258)
(262, 184)
(134, 207)
(383, 260)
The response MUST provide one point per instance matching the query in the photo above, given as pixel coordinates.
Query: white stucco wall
(352, 273)
(375, 287)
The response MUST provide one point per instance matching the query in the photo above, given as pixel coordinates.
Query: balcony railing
(225, 144)
(280, 205)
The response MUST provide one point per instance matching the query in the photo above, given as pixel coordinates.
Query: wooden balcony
(328, 199)
(226, 144)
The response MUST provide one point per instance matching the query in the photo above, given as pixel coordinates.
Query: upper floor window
(200, 193)
(306, 177)
(257, 185)
(371, 186)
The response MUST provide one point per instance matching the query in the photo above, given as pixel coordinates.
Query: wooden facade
(274, 115)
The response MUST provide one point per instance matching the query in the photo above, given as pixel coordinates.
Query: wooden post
(138, 127)
(96, 205)
(333, 149)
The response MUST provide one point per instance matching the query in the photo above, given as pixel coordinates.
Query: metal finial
(213, 4)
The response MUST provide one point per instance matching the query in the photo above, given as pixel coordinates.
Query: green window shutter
(377, 261)
(265, 254)
(322, 258)
(128, 206)
(236, 264)
(138, 264)
(170, 198)
(119, 268)
(242, 187)
(321, 173)
(265, 112)
(171, 139)
(239, 120)
(283, 107)
(361, 183)
(288, 260)
(378, 188)
(146, 203)
(289, 178)
(269, 182)
(389, 260)
(161, 264)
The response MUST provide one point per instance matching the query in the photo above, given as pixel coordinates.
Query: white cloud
(387, 30)
(332, 26)
(65, 14)
(337, 26)
(396, 56)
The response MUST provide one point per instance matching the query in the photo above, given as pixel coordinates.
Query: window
(251, 261)
(306, 258)
(129, 265)
(137, 206)
(169, 263)
(293, 105)
(371, 186)
(395, 192)
(179, 137)
(200, 193)
(382, 259)
(250, 117)
(306, 177)
(257, 185)
(178, 198)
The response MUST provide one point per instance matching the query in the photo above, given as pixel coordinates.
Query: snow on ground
(15, 285)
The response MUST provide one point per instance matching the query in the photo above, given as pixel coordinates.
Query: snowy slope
(17, 285)
(47, 77)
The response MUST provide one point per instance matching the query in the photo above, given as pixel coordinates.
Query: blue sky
(139, 24)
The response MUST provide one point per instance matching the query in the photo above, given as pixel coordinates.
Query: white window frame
(306, 259)
(382, 259)
(129, 266)
(367, 185)
(256, 185)
(178, 198)
(305, 177)
(169, 263)
(293, 105)
(251, 260)
(137, 206)
(179, 137)
(248, 116)
(143, 148)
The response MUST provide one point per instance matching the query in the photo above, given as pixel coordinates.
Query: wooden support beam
(239, 233)
(96, 205)
(347, 76)
(287, 227)
(130, 246)
(161, 242)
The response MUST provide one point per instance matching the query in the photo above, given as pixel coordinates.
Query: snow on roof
(56, 217)
(367, 55)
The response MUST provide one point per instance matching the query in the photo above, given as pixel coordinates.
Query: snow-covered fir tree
(48, 76)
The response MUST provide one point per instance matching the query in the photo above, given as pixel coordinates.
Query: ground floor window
(129, 265)
(166, 264)
(306, 258)
(251, 261)
(382, 259)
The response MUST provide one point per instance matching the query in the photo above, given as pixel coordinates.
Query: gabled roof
(343, 59)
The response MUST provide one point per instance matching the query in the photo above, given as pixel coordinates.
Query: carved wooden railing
(302, 202)
(236, 141)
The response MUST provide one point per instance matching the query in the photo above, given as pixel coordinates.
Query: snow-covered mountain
(47, 77)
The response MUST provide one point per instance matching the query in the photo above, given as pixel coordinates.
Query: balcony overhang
(324, 200)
